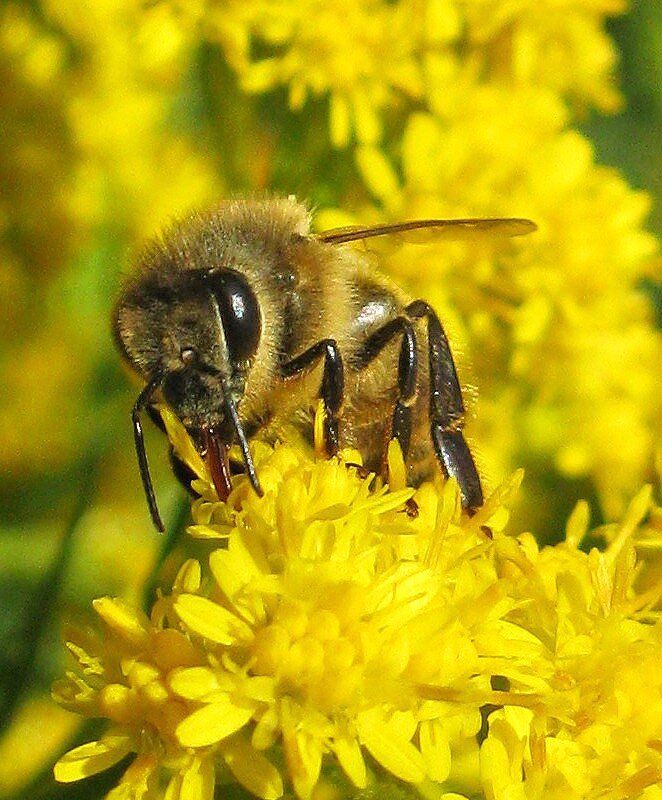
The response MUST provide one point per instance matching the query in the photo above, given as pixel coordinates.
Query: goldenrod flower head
(372, 56)
(563, 47)
(341, 619)
(598, 733)
(311, 632)
(363, 54)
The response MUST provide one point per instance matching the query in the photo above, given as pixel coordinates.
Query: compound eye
(240, 312)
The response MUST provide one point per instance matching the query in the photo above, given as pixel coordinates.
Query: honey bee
(241, 316)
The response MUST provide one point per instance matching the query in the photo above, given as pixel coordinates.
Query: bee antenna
(243, 444)
(143, 399)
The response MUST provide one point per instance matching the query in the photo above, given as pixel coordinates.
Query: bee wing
(432, 230)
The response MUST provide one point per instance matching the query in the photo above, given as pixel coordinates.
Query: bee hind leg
(407, 368)
(447, 410)
(332, 386)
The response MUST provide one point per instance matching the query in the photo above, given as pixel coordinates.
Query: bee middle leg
(407, 368)
(447, 409)
(332, 386)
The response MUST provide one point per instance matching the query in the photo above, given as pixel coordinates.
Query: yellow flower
(132, 167)
(601, 733)
(372, 56)
(123, 677)
(312, 633)
(340, 620)
(362, 54)
(562, 47)
(324, 612)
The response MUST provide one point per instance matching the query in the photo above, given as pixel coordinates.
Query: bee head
(192, 336)
(197, 332)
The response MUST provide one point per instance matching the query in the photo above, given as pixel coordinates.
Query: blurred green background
(73, 211)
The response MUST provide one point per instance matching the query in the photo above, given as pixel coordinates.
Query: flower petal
(193, 682)
(189, 577)
(253, 771)
(233, 568)
(304, 760)
(388, 746)
(198, 780)
(435, 750)
(349, 755)
(210, 620)
(139, 782)
(213, 722)
(127, 622)
(90, 758)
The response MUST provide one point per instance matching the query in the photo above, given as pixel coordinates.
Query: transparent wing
(432, 230)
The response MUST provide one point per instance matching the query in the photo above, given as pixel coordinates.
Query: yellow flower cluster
(86, 140)
(337, 619)
(331, 624)
(597, 733)
(372, 56)
(132, 167)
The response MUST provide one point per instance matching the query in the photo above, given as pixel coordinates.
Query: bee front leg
(407, 368)
(332, 386)
(447, 410)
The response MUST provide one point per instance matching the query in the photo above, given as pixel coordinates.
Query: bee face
(241, 313)
(198, 336)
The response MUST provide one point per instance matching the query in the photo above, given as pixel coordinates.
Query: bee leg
(331, 389)
(447, 410)
(407, 368)
(243, 445)
(144, 400)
